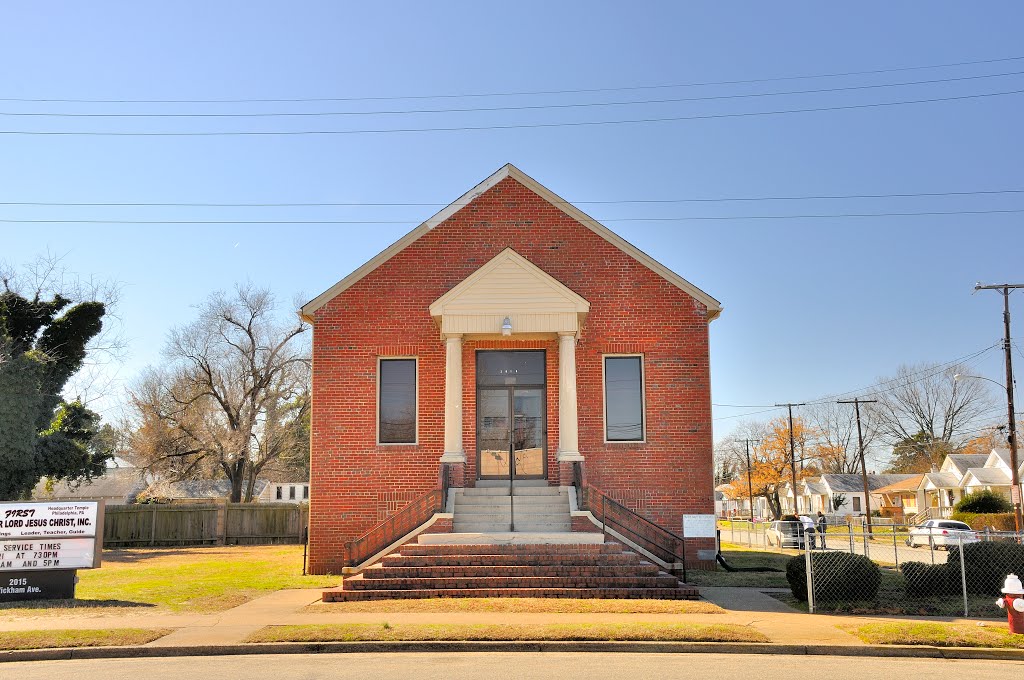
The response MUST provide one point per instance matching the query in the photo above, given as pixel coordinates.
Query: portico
(510, 299)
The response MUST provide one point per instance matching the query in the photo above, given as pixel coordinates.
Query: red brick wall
(356, 483)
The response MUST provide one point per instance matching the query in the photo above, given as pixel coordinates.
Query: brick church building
(509, 340)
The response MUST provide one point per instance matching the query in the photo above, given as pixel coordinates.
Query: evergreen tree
(41, 435)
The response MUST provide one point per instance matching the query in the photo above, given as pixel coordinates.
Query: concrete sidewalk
(743, 606)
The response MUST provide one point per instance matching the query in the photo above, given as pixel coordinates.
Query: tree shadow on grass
(73, 604)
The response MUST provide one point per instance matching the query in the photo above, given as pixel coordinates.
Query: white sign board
(699, 526)
(47, 553)
(57, 519)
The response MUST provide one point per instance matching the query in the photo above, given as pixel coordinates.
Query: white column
(568, 420)
(453, 450)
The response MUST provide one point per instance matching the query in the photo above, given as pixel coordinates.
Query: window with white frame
(396, 401)
(624, 398)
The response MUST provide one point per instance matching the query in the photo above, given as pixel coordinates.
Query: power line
(871, 390)
(523, 107)
(615, 219)
(519, 93)
(511, 126)
(329, 204)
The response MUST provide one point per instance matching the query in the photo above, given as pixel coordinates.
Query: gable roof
(909, 484)
(854, 483)
(201, 488)
(508, 264)
(964, 461)
(939, 480)
(714, 306)
(989, 476)
(120, 484)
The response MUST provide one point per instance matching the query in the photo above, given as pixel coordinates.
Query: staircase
(534, 508)
(482, 558)
(582, 570)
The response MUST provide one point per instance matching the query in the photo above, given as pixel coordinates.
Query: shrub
(983, 501)
(841, 577)
(926, 580)
(998, 521)
(986, 564)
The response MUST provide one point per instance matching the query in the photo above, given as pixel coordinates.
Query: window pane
(510, 368)
(398, 401)
(623, 398)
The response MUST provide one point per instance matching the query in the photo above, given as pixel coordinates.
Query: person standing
(822, 528)
(808, 529)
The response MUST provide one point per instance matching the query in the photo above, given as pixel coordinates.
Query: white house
(837, 494)
(285, 492)
(961, 474)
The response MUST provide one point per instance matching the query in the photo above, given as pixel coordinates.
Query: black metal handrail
(656, 539)
(390, 530)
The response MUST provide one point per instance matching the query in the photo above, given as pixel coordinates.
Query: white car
(942, 533)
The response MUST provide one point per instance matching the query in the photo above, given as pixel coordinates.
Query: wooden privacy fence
(131, 526)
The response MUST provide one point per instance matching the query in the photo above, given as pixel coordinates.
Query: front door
(511, 415)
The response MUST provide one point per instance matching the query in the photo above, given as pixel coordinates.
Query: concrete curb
(895, 651)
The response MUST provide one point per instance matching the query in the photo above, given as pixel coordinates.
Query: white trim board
(714, 307)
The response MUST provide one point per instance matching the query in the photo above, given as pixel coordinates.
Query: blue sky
(812, 306)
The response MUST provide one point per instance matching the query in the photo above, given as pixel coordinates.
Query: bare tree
(233, 395)
(925, 408)
(835, 428)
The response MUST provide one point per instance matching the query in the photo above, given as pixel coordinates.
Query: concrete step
(574, 559)
(503, 483)
(469, 501)
(498, 512)
(508, 543)
(446, 570)
(677, 593)
(633, 582)
(533, 527)
(518, 491)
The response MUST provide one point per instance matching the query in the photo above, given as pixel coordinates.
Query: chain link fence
(934, 570)
(923, 571)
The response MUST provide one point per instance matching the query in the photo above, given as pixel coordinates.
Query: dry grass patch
(209, 579)
(937, 635)
(109, 637)
(369, 632)
(517, 605)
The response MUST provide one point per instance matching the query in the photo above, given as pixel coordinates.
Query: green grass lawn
(354, 632)
(198, 580)
(109, 637)
(938, 635)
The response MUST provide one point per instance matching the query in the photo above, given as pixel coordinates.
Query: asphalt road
(501, 666)
(880, 549)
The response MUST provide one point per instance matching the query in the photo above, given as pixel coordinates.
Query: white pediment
(509, 286)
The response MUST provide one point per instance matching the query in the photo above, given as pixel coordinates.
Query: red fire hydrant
(1013, 601)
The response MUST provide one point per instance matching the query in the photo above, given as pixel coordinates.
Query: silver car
(941, 533)
(785, 534)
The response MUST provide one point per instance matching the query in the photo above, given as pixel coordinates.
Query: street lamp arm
(961, 376)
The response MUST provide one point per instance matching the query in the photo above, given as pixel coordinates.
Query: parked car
(941, 533)
(785, 534)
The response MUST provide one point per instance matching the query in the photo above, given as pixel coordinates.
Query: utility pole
(750, 484)
(792, 454)
(863, 466)
(1011, 438)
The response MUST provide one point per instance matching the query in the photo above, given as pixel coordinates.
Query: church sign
(42, 544)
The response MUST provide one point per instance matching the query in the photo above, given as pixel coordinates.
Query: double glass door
(511, 423)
